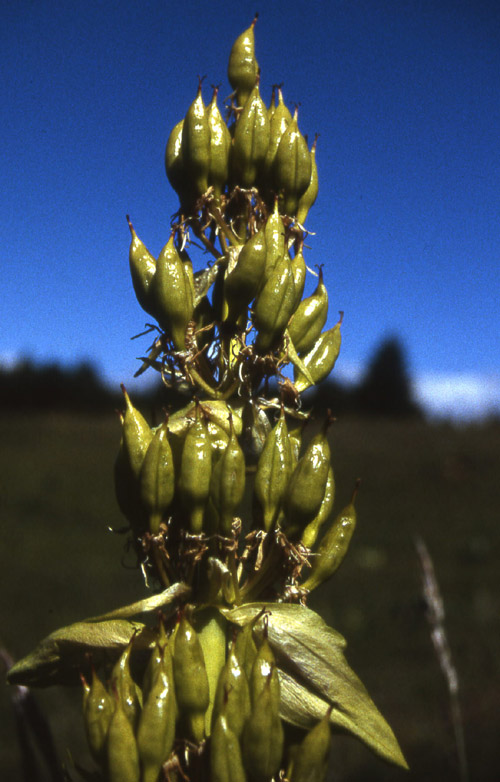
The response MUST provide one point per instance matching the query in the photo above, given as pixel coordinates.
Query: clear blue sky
(405, 95)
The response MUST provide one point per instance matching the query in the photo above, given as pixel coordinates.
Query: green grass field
(60, 563)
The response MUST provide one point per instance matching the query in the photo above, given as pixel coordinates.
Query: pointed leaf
(315, 675)
(296, 360)
(60, 657)
(169, 597)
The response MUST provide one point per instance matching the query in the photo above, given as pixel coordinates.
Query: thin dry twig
(435, 614)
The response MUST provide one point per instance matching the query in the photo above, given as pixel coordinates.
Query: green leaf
(169, 597)
(60, 657)
(296, 360)
(203, 280)
(314, 675)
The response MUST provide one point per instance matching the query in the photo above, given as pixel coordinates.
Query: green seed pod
(307, 200)
(227, 485)
(243, 282)
(309, 318)
(195, 473)
(220, 145)
(272, 105)
(190, 677)
(264, 674)
(333, 547)
(262, 738)
(226, 764)
(299, 276)
(127, 491)
(124, 687)
(251, 140)
(157, 479)
(137, 436)
(156, 660)
(292, 167)
(275, 240)
(195, 146)
(211, 630)
(243, 68)
(173, 294)
(280, 120)
(306, 488)
(156, 729)
(174, 165)
(274, 306)
(295, 437)
(273, 472)
(232, 697)
(98, 709)
(122, 754)
(245, 649)
(142, 269)
(311, 531)
(321, 359)
(310, 763)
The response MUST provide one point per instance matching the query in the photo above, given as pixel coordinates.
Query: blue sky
(405, 95)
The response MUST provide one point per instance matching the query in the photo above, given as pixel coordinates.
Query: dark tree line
(385, 389)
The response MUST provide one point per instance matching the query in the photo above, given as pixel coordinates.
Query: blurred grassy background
(60, 563)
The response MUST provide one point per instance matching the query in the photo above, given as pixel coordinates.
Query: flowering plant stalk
(223, 673)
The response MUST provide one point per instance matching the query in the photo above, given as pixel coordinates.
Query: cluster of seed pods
(206, 705)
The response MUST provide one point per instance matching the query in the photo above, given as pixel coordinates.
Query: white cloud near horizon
(465, 396)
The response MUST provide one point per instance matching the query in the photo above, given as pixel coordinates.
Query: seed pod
(195, 146)
(321, 359)
(280, 120)
(333, 546)
(211, 630)
(156, 729)
(142, 269)
(124, 687)
(295, 437)
(232, 697)
(195, 473)
(226, 764)
(299, 276)
(174, 165)
(272, 104)
(262, 738)
(311, 531)
(156, 660)
(243, 68)
(173, 294)
(309, 318)
(137, 436)
(306, 487)
(310, 762)
(273, 472)
(98, 709)
(127, 491)
(190, 677)
(251, 140)
(243, 282)
(275, 240)
(157, 479)
(122, 754)
(264, 673)
(220, 145)
(227, 485)
(274, 305)
(292, 167)
(245, 649)
(307, 200)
